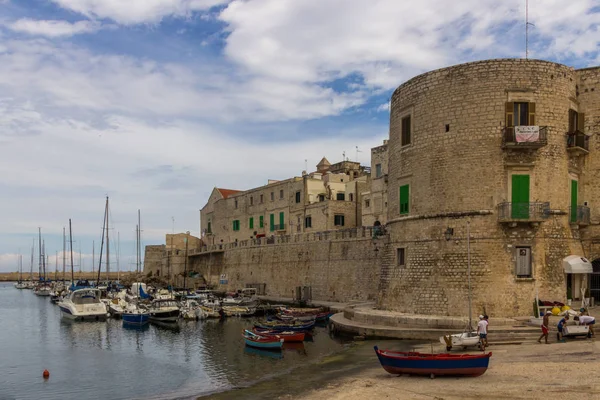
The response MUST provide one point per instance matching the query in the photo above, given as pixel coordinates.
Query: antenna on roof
(527, 23)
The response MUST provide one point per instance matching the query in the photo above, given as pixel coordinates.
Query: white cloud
(129, 12)
(53, 28)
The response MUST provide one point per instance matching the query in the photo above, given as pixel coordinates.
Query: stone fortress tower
(509, 150)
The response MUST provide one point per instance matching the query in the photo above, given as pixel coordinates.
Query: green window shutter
(234, 226)
(272, 222)
(520, 197)
(251, 223)
(281, 220)
(261, 221)
(209, 229)
(404, 199)
(573, 200)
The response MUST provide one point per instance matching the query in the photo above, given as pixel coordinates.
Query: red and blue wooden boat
(399, 362)
(286, 336)
(283, 326)
(262, 342)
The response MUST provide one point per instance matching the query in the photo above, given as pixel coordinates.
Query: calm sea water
(91, 360)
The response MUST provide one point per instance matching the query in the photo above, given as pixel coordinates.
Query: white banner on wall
(527, 133)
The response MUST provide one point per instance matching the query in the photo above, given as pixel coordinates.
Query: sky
(153, 103)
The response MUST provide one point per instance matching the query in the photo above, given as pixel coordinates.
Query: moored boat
(287, 337)
(164, 311)
(135, 317)
(83, 304)
(262, 342)
(298, 326)
(399, 362)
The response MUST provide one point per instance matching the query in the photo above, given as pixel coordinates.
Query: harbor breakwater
(14, 276)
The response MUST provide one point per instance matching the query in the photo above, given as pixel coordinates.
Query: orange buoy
(46, 374)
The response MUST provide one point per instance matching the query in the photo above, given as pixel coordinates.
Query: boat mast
(71, 249)
(64, 253)
(20, 267)
(31, 264)
(40, 245)
(93, 256)
(139, 244)
(101, 244)
(80, 265)
(118, 256)
(469, 271)
(56, 267)
(44, 258)
(107, 244)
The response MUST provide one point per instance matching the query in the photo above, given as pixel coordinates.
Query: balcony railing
(523, 212)
(280, 227)
(579, 215)
(512, 138)
(578, 142)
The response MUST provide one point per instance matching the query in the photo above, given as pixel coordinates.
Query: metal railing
(279, 227)
(579, 215)
(578, 139)
(529, 212)
(510, 139)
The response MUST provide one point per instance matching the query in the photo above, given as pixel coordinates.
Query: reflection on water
(123, 362)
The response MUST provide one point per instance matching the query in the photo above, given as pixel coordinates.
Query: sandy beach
(557, 370)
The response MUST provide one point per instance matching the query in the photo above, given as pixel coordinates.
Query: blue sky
(155, 102)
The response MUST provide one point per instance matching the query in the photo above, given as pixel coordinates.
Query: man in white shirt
(482, 332)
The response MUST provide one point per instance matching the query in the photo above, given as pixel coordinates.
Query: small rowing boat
(286, 336)
(262, 342)
(399, 362)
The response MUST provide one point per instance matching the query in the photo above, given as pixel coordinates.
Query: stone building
(508, 151)
(374, 201)
(326, 199)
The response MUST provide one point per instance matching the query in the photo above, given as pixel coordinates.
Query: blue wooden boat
(135, 318)
(398, 362)
(262, 342)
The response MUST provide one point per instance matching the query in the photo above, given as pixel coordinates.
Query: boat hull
(135, 319)
(164, 316)
(398, 363)
(288, 337)
(281, 327)
(271, 344)
(67, 313)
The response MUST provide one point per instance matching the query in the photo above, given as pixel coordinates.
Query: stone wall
(336, 270)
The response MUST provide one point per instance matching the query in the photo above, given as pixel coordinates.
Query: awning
(577, 265)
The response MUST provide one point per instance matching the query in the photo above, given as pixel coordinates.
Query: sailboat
(469, 337)
(20, 284)
(42, 289)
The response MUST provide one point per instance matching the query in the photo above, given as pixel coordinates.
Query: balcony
(579, 215)
(280, 227)
(514, 213)
(578, 142)
(524, 137)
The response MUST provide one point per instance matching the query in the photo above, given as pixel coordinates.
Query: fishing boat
(83, 304)
(399, 362)
(288, 337)
(297, 326)
(262, 342)
(305, 318)
(238, 311)
(135, 317)
(164, 311)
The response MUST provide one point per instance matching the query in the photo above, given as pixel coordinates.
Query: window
(340, 196)
(524, 262)
(351, 195)
(367, 203)
(208, 229)
(404, 199)
(401, 257)
(262, 199)
(235, 203)
(519, 114)
(405, 139)
(321, 197)
(297, 197)
(281, 194)
(377, 170)
(251, 223)
(272, 222)
(272, 196)
(236, 225)
(282, 220)
(251, 200)
(338, 220)
(576, 121)
(261, 221)
(308, 222)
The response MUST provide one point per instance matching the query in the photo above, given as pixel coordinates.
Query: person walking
(545, 323)
(482, 332)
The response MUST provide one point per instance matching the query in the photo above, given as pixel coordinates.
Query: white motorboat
(190, 309)
(164, 310)
(42, 290)
(83, 304)
(21, 285)
(464, 340)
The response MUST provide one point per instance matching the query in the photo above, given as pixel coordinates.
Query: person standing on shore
(560, 326)
(545, 323)
(482, 332)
